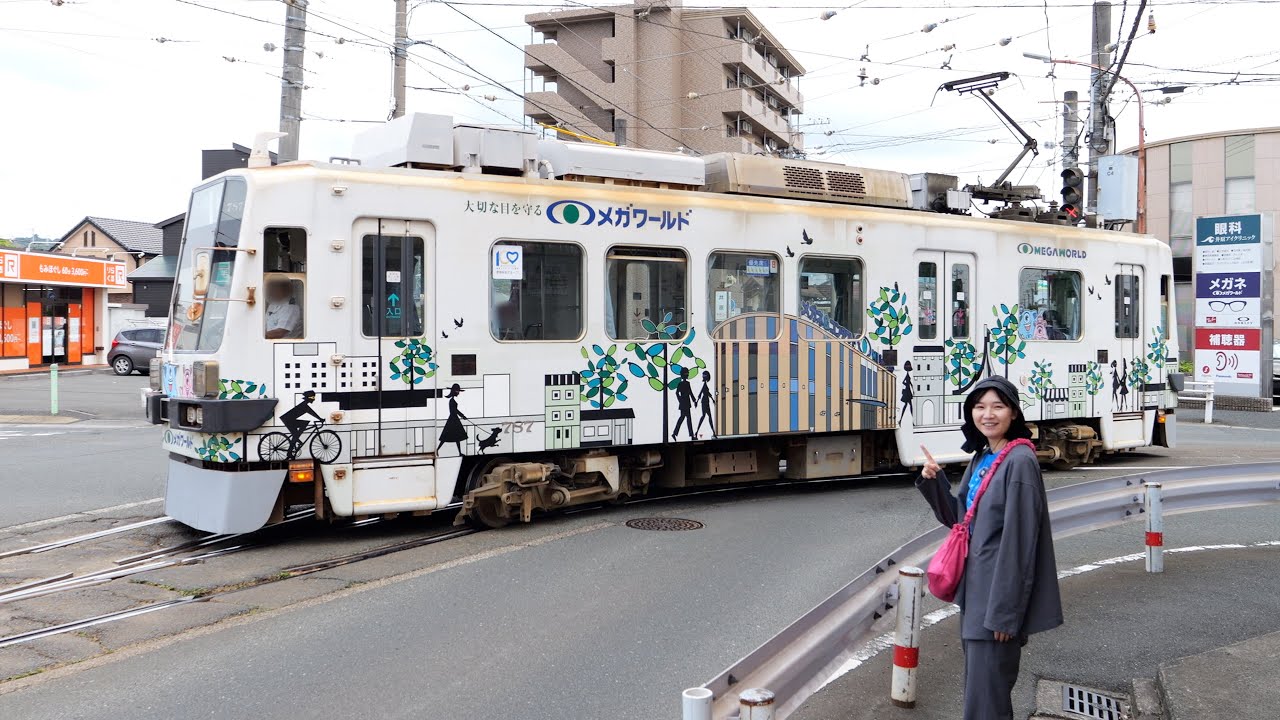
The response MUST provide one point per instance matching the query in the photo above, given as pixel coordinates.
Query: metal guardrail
(796, 662)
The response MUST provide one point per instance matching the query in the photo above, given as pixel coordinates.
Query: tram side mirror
(200, 283)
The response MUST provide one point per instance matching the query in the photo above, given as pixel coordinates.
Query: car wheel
(122, 365)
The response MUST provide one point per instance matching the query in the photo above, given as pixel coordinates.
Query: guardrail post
(906, 638)
(755, 704)
(53, 389)
(1155, 527)
(1208, 405)
(696, 703)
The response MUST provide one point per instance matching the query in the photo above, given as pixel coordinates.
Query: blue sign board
(1228, 285)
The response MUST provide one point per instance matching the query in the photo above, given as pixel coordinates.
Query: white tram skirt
(221, 502)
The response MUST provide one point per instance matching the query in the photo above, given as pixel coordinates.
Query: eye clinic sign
(1233, 283)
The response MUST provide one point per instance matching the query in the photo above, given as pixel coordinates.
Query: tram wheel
(484, 513)
(326, 446)
(274, 447)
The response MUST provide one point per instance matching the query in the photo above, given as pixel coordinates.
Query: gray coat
(1010, 581)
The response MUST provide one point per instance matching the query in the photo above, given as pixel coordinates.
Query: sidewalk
(1122, 624)
(63, 370)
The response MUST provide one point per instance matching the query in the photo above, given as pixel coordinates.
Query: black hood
(974, 440)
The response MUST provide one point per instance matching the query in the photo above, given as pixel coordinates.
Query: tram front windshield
(213, 223)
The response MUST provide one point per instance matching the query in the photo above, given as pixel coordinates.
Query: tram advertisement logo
(576, 212)
(1050, 251)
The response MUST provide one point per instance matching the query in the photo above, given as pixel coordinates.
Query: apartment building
(659, 76)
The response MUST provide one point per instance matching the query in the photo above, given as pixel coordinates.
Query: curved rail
(797, 661)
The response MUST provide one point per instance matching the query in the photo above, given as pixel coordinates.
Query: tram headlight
(205, 380)
(193, 416)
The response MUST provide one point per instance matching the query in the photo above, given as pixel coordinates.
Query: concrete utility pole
(1070, 129)
(295, 34)
(1099, 143)
(401, 52)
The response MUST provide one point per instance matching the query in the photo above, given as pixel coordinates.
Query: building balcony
(549, 59)
(550, 107)
(744, 102)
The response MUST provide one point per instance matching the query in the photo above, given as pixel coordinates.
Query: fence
(797, 661)
(1199, 391)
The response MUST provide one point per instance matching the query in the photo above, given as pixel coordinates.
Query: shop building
(53, 309)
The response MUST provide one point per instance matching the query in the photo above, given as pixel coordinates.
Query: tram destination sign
(1233, 264)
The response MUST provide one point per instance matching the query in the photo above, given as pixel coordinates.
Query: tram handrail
(796, 662)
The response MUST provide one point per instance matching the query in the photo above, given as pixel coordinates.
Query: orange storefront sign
(61, 270)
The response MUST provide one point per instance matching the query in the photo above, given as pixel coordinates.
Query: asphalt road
(109, 457)
(596, 620)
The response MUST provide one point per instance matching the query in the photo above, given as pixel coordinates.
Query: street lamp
(1141, 224)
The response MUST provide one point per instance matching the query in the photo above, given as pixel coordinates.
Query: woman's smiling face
(992, 416)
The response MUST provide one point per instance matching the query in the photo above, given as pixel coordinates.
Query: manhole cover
(1086, 703)
(663, 523)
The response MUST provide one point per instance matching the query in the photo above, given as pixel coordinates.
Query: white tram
(520, 325)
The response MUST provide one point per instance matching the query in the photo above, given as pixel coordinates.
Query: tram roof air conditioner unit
(415, 140)
(480, 148)
(742, 174)
(620, 165)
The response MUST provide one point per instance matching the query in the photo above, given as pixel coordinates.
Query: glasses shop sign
(1231, 254)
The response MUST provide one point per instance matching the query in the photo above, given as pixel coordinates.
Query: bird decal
(457, 323)
(804, 234)
(1107, 278)
(790, 253)
(444, 334)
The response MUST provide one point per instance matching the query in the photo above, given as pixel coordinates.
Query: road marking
(1142, 468)
(877, 645)
(80, 515)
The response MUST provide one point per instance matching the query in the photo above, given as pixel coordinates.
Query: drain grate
(663, 523)
(1085, 703)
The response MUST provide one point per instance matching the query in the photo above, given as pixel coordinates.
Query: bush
(1186, 367)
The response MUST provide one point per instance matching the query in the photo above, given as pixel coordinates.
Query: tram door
(1133, 368)
(945, 362)
(397, 329)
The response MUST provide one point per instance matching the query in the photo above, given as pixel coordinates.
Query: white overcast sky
(99, 118)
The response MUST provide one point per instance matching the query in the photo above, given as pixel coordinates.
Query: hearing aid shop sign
(1232, 277)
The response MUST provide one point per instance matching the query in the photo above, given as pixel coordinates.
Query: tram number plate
(517, 427)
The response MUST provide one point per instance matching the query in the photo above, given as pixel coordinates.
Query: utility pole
(401, 54)
(295, 34)
(1099, 143)
(1070, 129)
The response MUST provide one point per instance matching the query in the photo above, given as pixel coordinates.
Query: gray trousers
(990, 671)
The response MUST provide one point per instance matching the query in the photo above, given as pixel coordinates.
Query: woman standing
(453, 430)
(1009, 589)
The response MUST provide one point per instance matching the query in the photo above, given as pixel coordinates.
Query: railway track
(221, 545)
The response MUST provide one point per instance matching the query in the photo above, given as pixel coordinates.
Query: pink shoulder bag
(947, 566)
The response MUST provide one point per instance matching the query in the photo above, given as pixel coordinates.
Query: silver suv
(133, 349)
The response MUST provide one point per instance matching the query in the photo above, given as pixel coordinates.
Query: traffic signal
(1072, 187)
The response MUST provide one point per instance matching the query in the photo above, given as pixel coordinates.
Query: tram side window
(545, 302)
(742, 283)
(1127, 320)
(646, 284)
(960, 290)
(831, 294)
(928, 300)
(1166, 282)
(391, 288)
(284, 263)
(1049, 304)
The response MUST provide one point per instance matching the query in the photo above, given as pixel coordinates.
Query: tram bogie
(385, 340)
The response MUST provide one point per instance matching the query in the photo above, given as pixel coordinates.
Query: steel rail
(90, 622)
(796, 662)
(46, 547)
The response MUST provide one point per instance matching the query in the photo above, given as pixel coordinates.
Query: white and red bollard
(906, 638)
(755, 704)
(1155, 526)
